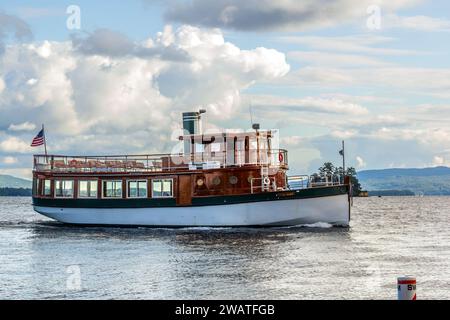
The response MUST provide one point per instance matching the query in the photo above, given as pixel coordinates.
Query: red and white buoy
(406, 288)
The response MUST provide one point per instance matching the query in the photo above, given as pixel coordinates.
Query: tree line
(15, 192)
(333, 173)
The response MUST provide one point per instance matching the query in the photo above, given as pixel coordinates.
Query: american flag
(39, 139)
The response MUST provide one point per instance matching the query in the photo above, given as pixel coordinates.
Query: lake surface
(388, 237)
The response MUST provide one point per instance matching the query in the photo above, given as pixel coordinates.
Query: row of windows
(161, 188)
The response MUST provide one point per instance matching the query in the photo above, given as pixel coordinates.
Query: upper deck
(159, 162)
(201, 152)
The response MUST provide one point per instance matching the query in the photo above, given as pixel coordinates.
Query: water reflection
(177, 263)
(232, 238)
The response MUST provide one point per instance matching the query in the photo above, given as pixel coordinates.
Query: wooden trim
(210, 189)
(63, 197)
(127, 181)
(172, 188)
(78, 188)
(196, 201)
(184, 196)
(102, 196)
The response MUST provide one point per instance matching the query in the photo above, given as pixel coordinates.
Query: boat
(221, 179)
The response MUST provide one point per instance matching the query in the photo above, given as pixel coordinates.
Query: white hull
(330, 209)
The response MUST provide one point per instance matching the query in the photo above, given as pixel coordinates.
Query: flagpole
(45, 144)
(343, 158)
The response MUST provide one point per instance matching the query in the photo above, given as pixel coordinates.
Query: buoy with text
(406, 287)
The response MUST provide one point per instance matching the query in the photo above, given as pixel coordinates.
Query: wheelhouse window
(112, 189)
(162, 188)
(47, 188)
(87, 188)
(137, 189)
(64, 188)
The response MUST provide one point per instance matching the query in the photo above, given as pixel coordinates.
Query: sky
(112, 77)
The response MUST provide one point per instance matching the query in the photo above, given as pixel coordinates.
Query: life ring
(266, 181)
(280, 157)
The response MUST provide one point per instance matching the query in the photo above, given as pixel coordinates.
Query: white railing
(158, 162)
(265, 184)
(298, 182)
(305, 181)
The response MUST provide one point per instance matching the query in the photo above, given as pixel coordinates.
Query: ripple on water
(388, 237)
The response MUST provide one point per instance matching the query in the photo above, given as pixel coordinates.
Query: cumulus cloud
(110, 43)
(262, 15)
(14, 145)
(104, 42)
(12, 24)
(25, 126)
(360, 162)
(438, 161)
(292, 141)
(92, 95)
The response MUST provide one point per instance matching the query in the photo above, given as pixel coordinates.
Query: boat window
(87, 188)
(63, 188)
(137, 189)
(162, 188)
(199, 148)
(112, 189)
(35, 187)
(47, 188)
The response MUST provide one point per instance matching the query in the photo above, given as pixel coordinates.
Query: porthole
(233, 180)
(200, 182)
(216, 181)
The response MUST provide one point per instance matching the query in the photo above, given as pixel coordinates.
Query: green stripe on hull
(199, 201)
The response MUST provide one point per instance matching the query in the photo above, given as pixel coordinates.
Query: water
(389, 237)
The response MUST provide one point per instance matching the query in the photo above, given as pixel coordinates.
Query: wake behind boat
(220, 180)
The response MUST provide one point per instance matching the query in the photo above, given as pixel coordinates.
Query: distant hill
(13, 182)
(427, 181)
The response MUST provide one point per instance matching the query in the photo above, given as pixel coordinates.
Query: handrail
(272, 151)
(159, 162)
(271, 186)
(301, 179)
(314, 181)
